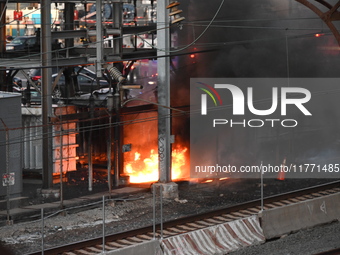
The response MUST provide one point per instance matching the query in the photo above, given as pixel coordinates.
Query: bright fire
(146, 170)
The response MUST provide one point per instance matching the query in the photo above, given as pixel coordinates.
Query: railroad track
(192, 223)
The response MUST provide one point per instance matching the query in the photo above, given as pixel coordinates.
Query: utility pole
(163, 69)
(164, 118)
(46, 60)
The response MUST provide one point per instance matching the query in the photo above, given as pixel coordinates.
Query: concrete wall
(279, 221)
(147, 248)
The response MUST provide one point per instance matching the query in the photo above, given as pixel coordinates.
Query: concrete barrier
(146, 248)
(279, 221)
(219, 239)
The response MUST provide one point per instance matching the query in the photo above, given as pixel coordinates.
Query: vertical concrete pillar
(164, 119)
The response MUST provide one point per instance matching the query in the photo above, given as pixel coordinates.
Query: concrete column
(164, 120)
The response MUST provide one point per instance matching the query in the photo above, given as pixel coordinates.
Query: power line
(99, 127)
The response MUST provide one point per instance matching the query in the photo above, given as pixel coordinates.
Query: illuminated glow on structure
(146, 170)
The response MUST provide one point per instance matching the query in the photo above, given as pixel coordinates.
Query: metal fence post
(103, 224)
(154, 210)
(42, 231)
(161, 201)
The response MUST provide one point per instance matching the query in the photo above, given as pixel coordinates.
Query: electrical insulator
(175, 12)
(116, 74)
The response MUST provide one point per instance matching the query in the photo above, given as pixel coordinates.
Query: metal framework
(328, 17)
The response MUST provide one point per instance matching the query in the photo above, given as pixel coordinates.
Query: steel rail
(319, 190)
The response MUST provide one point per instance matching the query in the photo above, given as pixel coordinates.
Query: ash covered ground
(135, 210)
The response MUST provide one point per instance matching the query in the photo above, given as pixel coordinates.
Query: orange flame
(224, 178)
(146, 170)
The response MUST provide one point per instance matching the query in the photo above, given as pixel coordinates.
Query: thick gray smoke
(264, 38)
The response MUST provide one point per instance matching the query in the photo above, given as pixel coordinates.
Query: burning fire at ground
(146, 169)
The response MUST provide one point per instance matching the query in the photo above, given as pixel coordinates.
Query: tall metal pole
(116, 133)
(163, 69)
(103, 227)
(110, 106)
(109, 154)
(99, 38)
(46, 60)
(61, 167)
(89, 152)
(42, 231)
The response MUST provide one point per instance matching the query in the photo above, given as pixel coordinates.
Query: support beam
(2, 43)
(69, 25)
(328, 17)
(99, 43)
(117, 23)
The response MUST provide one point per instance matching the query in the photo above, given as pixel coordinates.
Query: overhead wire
(216, 45)
(190, 44)
(99, 127)
(223, 43)
(194, 41)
